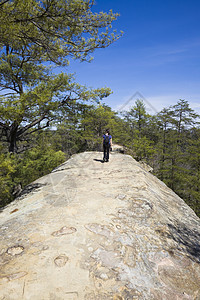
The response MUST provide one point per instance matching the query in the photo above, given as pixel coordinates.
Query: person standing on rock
(107, 144)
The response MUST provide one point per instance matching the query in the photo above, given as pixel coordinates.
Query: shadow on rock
(99, 160)
(30, 188)
(190, 239)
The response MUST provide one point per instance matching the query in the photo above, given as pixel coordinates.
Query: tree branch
(4, 125)
(37, 129)
(21, 131)
(1, 4)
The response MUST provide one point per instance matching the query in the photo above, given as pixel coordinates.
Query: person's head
(107, 131)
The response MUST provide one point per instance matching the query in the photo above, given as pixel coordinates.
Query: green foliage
(53, 30)
(142, 147)
(36, 107)
(94, 122)
(37, 162)
(27, 167)
(67, 137)
(138, 123)
(36, 36)
(178, 152)
(192, 190)
(170, 143)
(137, 117)
(120, 131)
(166, 141)
(7, 171)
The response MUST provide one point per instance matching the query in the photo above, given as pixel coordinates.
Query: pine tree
(138, 120)
(178, 150)
(191, 191)
(94, 123)
(34, 37)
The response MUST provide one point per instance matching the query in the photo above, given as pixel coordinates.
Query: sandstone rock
(145, 166)
(118, 148)
(99, 231)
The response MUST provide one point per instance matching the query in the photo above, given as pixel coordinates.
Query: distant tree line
(168, 141)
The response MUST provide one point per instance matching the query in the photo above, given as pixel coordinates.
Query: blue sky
(158, 55)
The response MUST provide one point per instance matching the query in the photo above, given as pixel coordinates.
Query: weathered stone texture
(99, 231)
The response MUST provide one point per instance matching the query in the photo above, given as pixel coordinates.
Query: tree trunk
(12, 138)
(13, 146)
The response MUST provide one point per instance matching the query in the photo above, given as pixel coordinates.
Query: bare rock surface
(99, 231)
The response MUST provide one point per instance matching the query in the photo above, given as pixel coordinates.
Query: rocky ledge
(93, 230)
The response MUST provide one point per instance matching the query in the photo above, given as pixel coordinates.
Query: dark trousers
(106, 152)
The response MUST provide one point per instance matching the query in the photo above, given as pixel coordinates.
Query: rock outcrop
(93, 230)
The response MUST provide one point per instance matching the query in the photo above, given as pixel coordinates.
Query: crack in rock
(64, 230)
